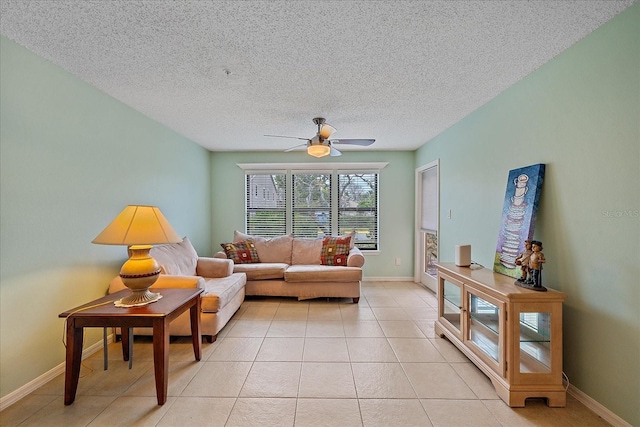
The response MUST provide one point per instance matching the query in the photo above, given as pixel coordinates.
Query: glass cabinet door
(537, 346)
(486, 328)
(535, 342)
(451, 304)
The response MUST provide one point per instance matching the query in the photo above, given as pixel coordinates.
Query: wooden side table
(102, 313)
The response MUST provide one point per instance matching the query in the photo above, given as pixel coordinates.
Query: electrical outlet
(398, 261)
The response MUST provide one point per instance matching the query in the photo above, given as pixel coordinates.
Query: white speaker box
(463, 255)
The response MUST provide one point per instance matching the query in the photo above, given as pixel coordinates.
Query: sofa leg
(211, 338)
(356, 299)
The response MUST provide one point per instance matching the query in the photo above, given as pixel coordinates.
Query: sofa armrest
(220, 254)
(214, 267)
(355, 258)
(164, 281)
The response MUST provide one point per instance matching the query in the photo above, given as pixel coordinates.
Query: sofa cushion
(243, 252)
(264, 270)
(220, 291)
(177, 259)
(306, 251)
(335, 250)
(276, 249)
(353, 239)
(239, 236)
(322, 273)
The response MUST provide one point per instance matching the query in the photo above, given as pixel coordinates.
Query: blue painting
(518, 217)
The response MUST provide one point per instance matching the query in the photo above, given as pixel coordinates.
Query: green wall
(580, 115)
(71, 159)
(396, 215)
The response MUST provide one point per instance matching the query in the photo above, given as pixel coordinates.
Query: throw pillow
(177, 259)
(335, 250)
(243, 252)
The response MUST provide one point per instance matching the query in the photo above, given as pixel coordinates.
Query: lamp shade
(318, 150)
(326, 131)
(138, 225)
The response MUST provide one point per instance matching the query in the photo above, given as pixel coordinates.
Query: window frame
(334, 170)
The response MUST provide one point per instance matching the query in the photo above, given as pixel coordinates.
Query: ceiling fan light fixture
(326, 131)
(320, 145)
(318, 150)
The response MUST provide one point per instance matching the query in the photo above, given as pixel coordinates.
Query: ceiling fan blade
(283, 136)
(361, 142)
(326, 130)
(294, 147)
(334, 152)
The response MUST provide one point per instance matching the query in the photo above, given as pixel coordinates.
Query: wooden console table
(103, 313)
(514, 335)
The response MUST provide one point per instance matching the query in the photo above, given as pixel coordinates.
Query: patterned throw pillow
(243, 252)
(335, 250)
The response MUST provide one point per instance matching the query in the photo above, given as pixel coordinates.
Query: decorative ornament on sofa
(320, 145)
(335, 250)
(242, 252)
(519, 212)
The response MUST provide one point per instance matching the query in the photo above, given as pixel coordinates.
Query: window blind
(311, 205)
(358, 207)
(266, 204)
(429, 219)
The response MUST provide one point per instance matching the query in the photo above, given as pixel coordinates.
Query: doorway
(427, 224)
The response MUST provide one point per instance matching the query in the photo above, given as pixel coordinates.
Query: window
(358, 209)
(313, 203)
(266, 204)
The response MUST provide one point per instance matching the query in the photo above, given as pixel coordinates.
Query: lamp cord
(64, 328)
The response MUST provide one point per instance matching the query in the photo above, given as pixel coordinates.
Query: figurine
(535, 265)
(523, 261)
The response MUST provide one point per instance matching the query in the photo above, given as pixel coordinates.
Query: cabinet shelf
(534, 359)
(534, 327)
(526, 337)
(452, 318)
(486, 339)
(514, 335)
(489, 321)
(452, 295)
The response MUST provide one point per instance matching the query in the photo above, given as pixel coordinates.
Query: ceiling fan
(320, 145)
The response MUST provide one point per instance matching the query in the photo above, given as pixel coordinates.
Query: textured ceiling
(224, 73)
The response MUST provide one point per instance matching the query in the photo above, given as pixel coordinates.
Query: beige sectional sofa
(293, 267)
(183, 268)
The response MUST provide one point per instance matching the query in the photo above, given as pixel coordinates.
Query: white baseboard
(388, 279)
(31, 386)
(596, 407)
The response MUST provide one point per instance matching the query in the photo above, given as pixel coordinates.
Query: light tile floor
(282, 362)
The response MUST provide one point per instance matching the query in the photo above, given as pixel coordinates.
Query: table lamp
(139, 227)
